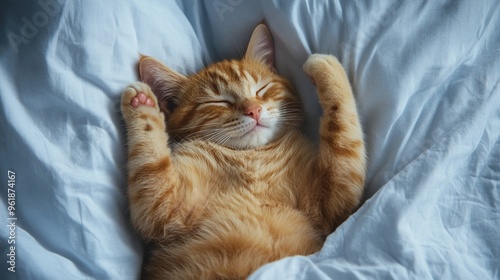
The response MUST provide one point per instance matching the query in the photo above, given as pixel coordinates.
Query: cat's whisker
(221, 138)
(289, 120)
(189, 127)
(213, 135)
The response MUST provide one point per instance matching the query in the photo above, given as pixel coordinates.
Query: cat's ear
(164, 82)
(261, 46)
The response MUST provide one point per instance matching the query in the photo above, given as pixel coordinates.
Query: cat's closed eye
(261, 90)
(219, 102)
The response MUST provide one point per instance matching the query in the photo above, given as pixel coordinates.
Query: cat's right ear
(164, 82)
(261, 46)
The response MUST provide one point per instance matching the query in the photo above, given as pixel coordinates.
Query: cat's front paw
(138, 98)
(322, 67)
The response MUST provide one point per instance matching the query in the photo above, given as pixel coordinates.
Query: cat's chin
(256, 137)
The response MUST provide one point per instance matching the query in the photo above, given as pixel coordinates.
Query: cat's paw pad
(138, 97)
(142, 99)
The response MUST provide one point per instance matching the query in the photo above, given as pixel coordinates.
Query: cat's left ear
(261, 46)
(164, 82)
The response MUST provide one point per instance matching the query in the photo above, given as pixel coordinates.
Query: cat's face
(240, 104)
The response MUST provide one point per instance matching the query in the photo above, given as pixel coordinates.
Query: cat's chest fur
(267, 177)
(261, 191)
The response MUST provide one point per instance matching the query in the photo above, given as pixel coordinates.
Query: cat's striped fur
(239, 185)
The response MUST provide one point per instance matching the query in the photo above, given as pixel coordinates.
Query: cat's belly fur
(234, 245)
(250, 215)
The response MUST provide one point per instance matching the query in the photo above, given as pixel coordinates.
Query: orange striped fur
(220, 178)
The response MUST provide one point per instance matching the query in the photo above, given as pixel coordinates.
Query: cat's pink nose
(253, 111)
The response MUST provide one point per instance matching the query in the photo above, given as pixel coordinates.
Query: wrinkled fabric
(426, 81)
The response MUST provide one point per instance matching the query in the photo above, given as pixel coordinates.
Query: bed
(425, 74)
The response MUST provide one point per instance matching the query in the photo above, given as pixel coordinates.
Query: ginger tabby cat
(220, 178)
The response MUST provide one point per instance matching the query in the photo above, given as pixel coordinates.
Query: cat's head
(240, 104)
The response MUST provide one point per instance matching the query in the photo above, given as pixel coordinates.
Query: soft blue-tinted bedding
(426, 78)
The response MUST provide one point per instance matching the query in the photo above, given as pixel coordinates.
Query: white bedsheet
(426, 79)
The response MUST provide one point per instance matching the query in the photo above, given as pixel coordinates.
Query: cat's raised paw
(138, 98)
(320, 66)
(138, 94)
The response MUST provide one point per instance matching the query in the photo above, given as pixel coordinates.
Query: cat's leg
(155, 189)
(341, 161)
